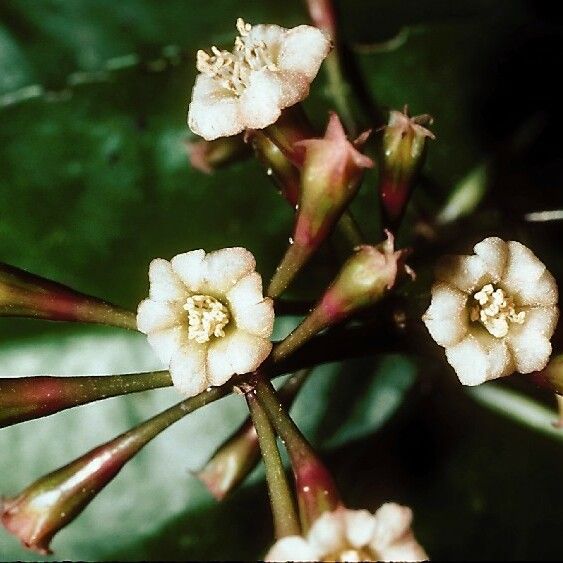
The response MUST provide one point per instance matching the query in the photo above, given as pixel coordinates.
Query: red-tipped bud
(323, 16)
(53, 501)
(26, 398)
(363, 280)
(207, 156)
(404, 144)
(331, 172)
(26, 295)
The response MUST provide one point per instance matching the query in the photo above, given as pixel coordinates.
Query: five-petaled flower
(206, 317)
(270, 68)
(354, 535)
(494, 311)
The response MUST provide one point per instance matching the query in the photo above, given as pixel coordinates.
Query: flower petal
(405, 549)
(260, 102)
(190, 267)
(270, 34)
(188, 369)
(499, 356)
(494, 253)
(328, 533)
(294, 87)
(226, 267)
(246, 351)
(543, 291)
(529, 342)
(166, 342)
(252, 312)
(469, 360)
(303, 50)
(292, 548)
(392, 521)
(446, 319)
(214, 111)
(360, 527)
(164, 283)
(157, 315)
(219, 365)
(467, 273)
(523, 267)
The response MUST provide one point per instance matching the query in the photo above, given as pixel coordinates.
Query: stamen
(207, 317)
(495, 310)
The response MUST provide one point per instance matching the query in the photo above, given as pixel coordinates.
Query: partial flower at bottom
(494, 312)
(206, 317)
(354, 535)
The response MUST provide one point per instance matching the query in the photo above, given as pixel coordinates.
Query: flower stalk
(316, 491)
(286, 522)
(53, 501)
(240, 453)
(27, 398)
(23, 294)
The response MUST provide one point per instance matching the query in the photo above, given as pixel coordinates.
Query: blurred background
(95, 181)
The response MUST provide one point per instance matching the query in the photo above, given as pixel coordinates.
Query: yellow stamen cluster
(232, 69)
(207, 317)
(495, 310)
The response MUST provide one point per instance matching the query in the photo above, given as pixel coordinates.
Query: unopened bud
(364, 279)
(207, 156)
(403, 152)
(330, 178)
(26, 295)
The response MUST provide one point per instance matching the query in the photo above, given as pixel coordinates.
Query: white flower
(206, 317)
(270, 68)
(354, 535)
(494, 312)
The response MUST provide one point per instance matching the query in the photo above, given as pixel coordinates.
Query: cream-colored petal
(469, 360)
(494, 253)
(446, 319)
(392, 521)
(246, 351)
(405, 549)
(303, 50)
(165, 342)
(360, 527)
(543, 291)
(467, 273)
(499, 356)
(294, 87)
(523, 267)
(260, 103)
(164, 283)
(328, 533)
(157, 315)
(188, 369)
(292, 548)
(270, 34)
(529, 342)
(214, 112)
(219, 366)
(190, 268)
(257, 319)
(246, 292)
(226, 267)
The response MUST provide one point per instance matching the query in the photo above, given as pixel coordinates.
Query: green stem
(315, 487)
(286, 522)
(339, 90)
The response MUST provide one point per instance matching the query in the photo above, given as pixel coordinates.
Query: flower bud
(27, 398)
(404, 144)
(331, 172)
(363, 280)
(26, 295)
(207, 156)
(53, 501)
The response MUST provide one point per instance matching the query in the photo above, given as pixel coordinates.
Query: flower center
(494, 309)
(207, 317)
(232, 69)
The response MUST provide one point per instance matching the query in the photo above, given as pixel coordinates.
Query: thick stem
(286, 522)
(27, 398)
(315, 487)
